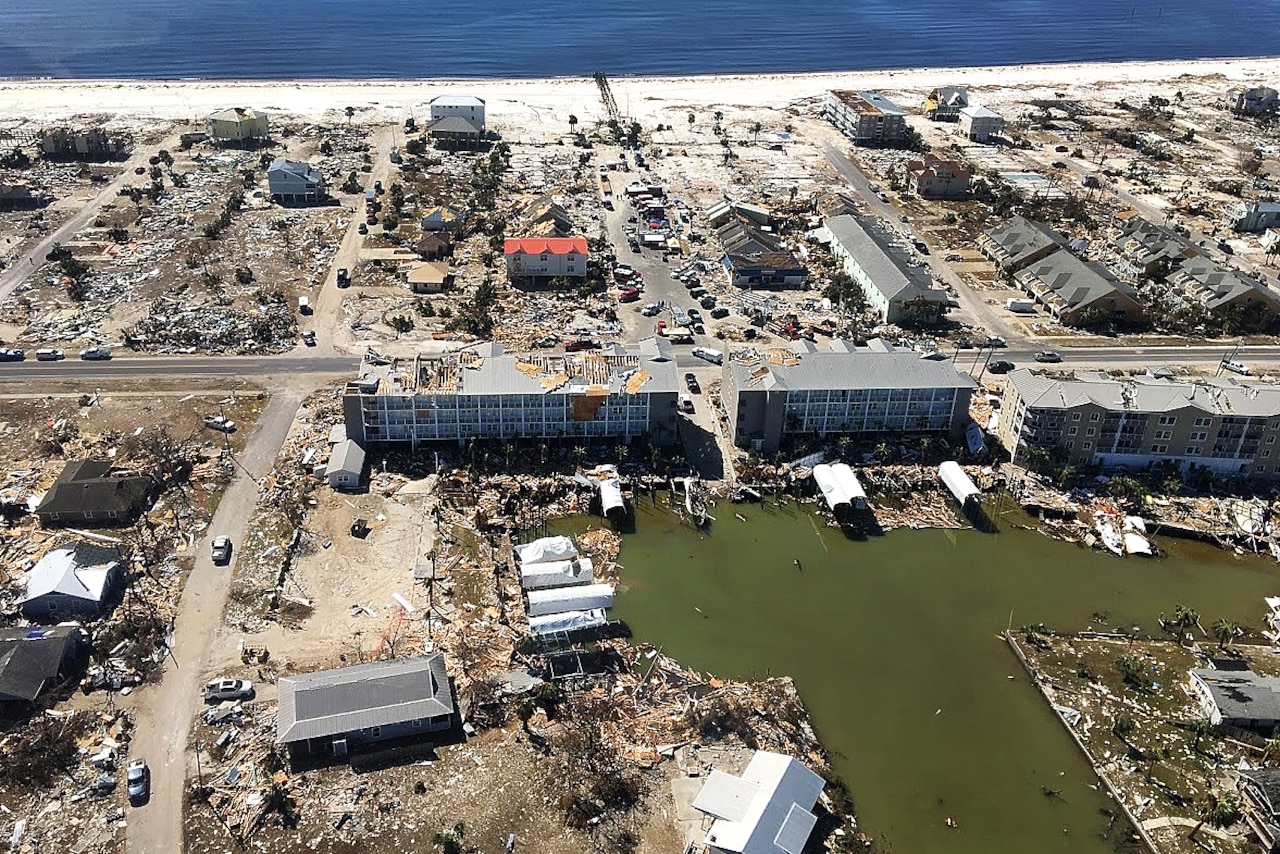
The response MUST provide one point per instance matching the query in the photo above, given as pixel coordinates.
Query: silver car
(137, 780)
(228, 689)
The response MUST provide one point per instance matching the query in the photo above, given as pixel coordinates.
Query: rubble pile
(174, 326)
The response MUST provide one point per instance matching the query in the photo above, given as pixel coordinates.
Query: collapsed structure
(845, 390)
(618, 392)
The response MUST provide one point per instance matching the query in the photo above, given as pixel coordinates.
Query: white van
(715, 357)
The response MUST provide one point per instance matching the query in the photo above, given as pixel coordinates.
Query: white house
(467, 106)
(979, 124)
(768, 810)
(295, 182)
(72, 579)
(545, 257)
(346, 462)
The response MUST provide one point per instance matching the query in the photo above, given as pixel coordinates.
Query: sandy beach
(554, 99)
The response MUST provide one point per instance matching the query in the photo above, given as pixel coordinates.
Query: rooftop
(1076, 284)
(871, 103)
(87, 486)
(1145, 394)
(457, 101)
(979, 113)
(878, 366)
(80, 570)
(32, 657)
(764, 811)
(453, 124)
(1020, 237)
(647, 367)
(1243, 694)
(874, 247)
(382, 693)
(296, 167)
(545, 245)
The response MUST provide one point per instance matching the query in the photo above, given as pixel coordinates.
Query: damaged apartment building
(846, 390)
(618, 393)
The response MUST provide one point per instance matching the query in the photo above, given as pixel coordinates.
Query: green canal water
(893, 644)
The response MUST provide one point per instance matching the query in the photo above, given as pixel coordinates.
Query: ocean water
(367, 39)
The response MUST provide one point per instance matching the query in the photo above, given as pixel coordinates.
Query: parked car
(95, 354)
(708, 301)
(719, 312)
(221, 551)
(1000, 366)
(1048, 356)
(344, 277)
(691, 383)
(49, 354)
(1061, 149)
(935, 356)
(309, 337)
(364, 229)
(661, 327)
(218, 422)
(629, 295)
(1236, 367)
(686, 403)
(953, 256)
(11, 354)
(137, 778)
(694, 315)
(1058, 164)
(228, 689)
(996, 341)
(651, 310)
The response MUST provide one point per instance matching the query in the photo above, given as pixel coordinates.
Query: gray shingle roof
(453, 124)
(1019, 238)
(870, 245)
(348, 699)
(1243, 694)
(1079, 284)
(1222, 287)
(31, 658)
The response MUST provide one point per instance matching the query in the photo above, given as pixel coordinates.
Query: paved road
(164, 712)
(26, 264)
(181, 366)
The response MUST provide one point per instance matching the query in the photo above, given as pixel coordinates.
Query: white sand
(553, 100)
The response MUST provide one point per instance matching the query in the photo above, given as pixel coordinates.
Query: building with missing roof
(1136, 422)
(617, 392)
(847, 390)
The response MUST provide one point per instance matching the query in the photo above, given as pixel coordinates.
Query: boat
(1109, 532)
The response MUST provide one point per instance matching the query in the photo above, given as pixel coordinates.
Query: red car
(661, 328)
(629, 295)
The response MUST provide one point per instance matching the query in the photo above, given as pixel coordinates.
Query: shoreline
(35, 99)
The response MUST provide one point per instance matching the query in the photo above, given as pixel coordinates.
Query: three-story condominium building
(846, 390)
(620, 393)
(1135, 422)
(867, 118)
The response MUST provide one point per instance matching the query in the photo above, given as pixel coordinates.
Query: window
(1166, 420)
(1070, 445)
(1199, 437)
(1262, 468)
(1271, 440)
(570, 268)
(1164, 434)
(1075, 416)
(1193, 451)
(1203, 422)
(1159, 449)
(1090, 431)
(1087, 445)
(1094, 416)
(376, 731)
(544, 257)
(1266, 453)
(1072, 431)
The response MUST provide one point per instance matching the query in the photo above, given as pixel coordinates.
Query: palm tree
(1202, 728)
(1225, 632)
(1154, 755)
(1272, 746)
(350, 111)
(1184, 618)
(755, 131)
(691, 120)
(573, 123)
(1219, 811)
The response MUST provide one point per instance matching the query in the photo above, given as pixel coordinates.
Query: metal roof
(80, 571)
(457, 101)
(349, 699)
(850, 368)
(300, 168)
(1140, 394)
(454, 124)
(979, 113)
(766, 810)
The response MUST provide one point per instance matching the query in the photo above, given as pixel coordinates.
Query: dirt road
(164, 711)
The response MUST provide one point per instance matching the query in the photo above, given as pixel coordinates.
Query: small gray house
(334, 710)
(294, 182)
(69, 580)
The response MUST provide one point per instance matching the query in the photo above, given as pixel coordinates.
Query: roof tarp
(546, 549)
(582, 598)
(556, 573)
(566, 621)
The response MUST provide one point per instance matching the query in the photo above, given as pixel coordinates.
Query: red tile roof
(545, 245)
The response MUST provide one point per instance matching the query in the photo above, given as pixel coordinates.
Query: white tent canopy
(958, 482)
(546, 549)
(839, 485)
